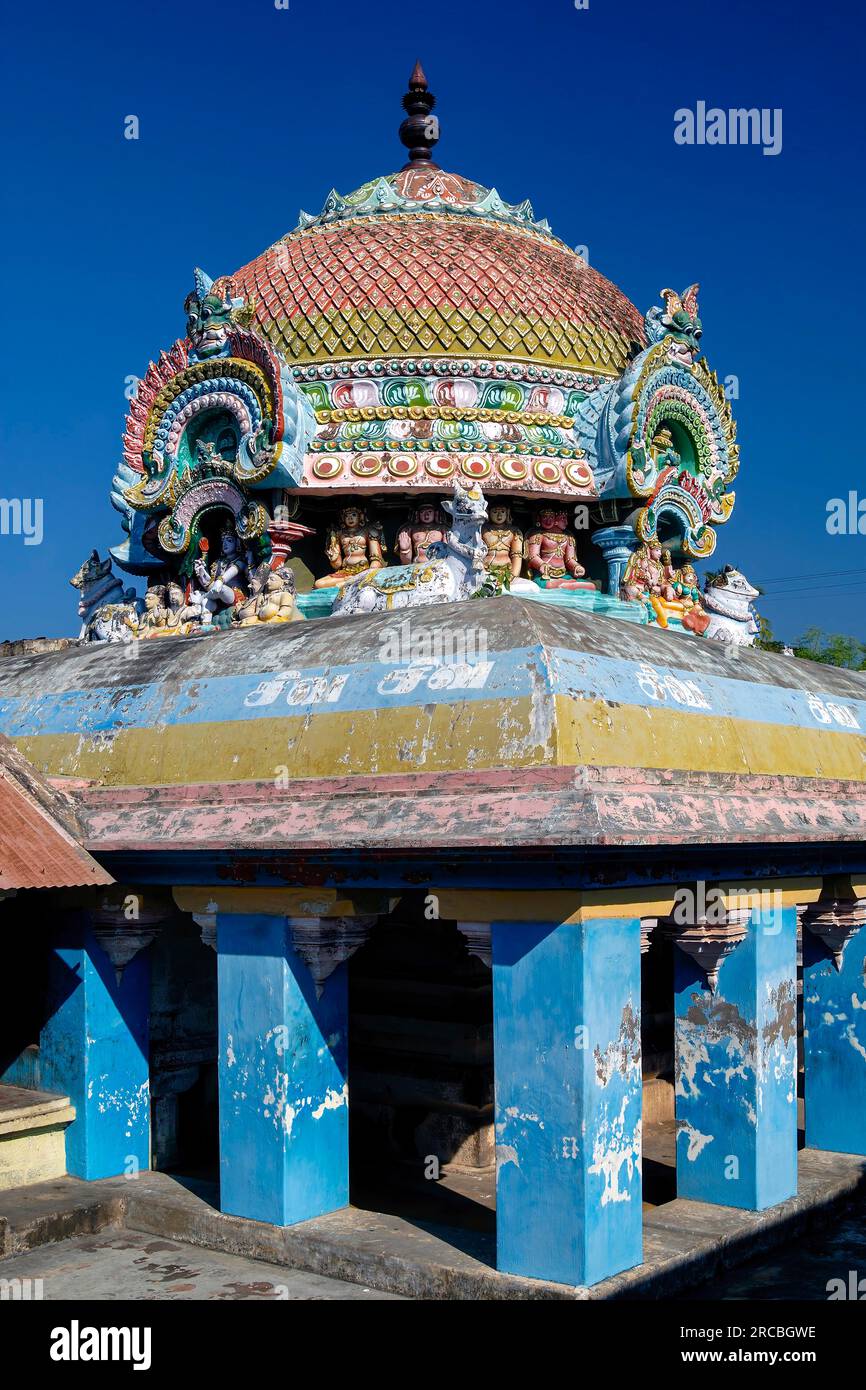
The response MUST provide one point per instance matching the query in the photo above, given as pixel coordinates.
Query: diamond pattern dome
(429, 264)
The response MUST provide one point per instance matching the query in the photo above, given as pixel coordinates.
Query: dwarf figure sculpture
(167, 613)
(271, 600)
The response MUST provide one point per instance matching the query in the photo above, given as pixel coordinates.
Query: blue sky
(248, 113)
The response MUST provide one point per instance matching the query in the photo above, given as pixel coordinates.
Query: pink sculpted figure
(551, 554)
(425, 526)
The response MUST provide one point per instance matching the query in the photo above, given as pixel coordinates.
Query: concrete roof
(564, 729)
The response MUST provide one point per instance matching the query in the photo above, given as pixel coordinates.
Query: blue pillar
(566, 1018)
(736, 1068)
(284, 1115)
(94, 1049)
(834, 1015)
(617, 544)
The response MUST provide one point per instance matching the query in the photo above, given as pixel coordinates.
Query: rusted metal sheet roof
(39, 845)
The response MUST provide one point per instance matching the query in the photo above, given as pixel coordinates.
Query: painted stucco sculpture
(729, 599)
(108, 611)
(453, 572)
(505, 544)
(419, 333)
(551, 557)
(424, 528)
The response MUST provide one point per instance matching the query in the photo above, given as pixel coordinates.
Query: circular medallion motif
(578, 473)
(513, 469)
(402, 466)
(440, 467)
(367, 466)
(328, 467)
(475, 466)
(546, 471)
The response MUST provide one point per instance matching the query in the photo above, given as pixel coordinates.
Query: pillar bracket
(834, 921)
(323, 943)
(120, 936)
(709, 943)
(479, 940)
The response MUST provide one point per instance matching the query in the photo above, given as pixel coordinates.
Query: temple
(482, 881)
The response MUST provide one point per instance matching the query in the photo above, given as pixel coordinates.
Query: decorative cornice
(447, 193)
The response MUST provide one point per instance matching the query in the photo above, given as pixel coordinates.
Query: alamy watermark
(846, 516)
(697, 904)
(408, 643)
(736, 126)
(22, 516)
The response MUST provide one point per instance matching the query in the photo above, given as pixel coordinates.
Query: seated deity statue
(425, 527)
(271, 598)
(644, 574)
(166, 612)
(353, 546)
(551, 555)
(504, 542)
(220, 584)
(650, 578)
(685, 591)
(153, 619)
(662, 455)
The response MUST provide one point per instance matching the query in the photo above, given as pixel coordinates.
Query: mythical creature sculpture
(211, 312)
(271, 598)
(678, 321)
(550, 552)
(425, 527)
(504, 543)
(455, 572)
(108, 612)
(353, 546)
(662, 456)
(728, 597)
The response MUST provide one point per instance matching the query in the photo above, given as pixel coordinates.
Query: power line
(824, 574)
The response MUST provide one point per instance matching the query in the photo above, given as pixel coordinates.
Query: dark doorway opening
(183, 1053)
(421, 1073)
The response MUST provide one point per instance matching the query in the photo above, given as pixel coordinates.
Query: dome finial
(420, 131)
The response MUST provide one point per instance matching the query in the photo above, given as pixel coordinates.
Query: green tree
(831, 648)
(765, 640)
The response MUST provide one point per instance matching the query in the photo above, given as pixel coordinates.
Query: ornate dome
(426, 262)
(438, 330)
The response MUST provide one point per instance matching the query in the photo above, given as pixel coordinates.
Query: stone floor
(799, 1269)
(122, 1265)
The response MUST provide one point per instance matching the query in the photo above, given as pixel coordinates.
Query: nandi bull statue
(728, 601)
(108, 612)
(454, 568)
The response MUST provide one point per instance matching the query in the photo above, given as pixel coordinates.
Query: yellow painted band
(577, 905)
(281, 902)
(467, 737)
